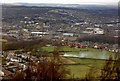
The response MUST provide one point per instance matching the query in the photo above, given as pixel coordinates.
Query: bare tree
(111, 70)
(46, 70)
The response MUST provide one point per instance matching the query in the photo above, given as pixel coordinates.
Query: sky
(63, 1)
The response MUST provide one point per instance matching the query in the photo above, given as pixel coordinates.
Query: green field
(80, 70)
(77, 71)
(79, 67)
(65, 48)
(75, 50)
(82, 52)
(89, 62)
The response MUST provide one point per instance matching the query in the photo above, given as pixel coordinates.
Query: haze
(63, 1)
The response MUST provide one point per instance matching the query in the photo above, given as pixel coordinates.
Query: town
(48, 27)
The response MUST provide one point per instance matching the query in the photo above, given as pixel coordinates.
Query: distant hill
(81, 6)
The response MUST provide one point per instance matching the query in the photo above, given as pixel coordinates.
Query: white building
(42, 33)
(68, 34)
(93, 31)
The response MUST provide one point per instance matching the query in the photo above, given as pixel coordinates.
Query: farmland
(81, 66)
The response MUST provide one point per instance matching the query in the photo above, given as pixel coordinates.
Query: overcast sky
(63, 1)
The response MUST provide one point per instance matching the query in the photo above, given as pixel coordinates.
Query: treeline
(26, 45)
(53, 70)
(100, 38)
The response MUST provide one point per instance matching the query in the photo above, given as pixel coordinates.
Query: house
(93, 31)
(40, 33)
(14, 59)
(13, 33)
(68, 34)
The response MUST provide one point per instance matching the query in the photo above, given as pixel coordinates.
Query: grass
(64, 48)
(80, 70)
(83, 52)
(89, 62)
(83, 64)
(67, 61)
(49, 49)
(77, 71)
(75, 50)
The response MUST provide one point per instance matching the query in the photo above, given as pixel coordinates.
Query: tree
(45, 70)
(111, 70)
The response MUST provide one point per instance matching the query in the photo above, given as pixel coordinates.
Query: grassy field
(63, 48)
(75, 50)
(79, 67)
(89, 62)
(82, 52)
(77, 71)
(49, 49)
(84, 66)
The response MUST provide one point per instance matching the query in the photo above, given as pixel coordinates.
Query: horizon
(96, 2)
